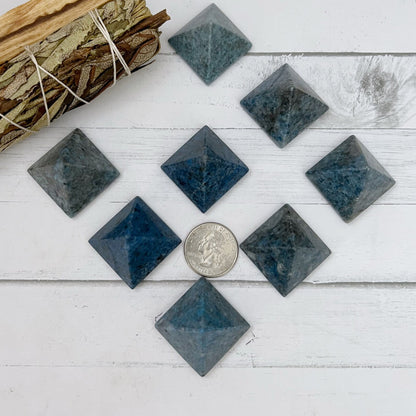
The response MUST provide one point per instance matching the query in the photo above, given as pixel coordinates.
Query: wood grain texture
(330, 26)
(373, 251)
(94, 325)
(370, 26)
(372, 248)
(35, 20)
(334, 348)
(79, 59)
(30, 12)
(276, 175)
(160, 391)
(361, 91)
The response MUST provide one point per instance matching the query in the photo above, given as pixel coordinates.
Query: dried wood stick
(35, 20)
(79, 56)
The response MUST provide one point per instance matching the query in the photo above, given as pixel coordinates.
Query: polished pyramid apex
(134, 242)
(210, 43)
(350, 178)
(285, 249)
(284, 105)
(73, 172)
(202, 326)
(205, 168)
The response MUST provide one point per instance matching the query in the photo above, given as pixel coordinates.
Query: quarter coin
(211, 249)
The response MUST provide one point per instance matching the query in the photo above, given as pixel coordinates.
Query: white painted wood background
(76, 341)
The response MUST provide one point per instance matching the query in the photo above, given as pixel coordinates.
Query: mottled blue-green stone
(205, 168)
(285, 249)
(350, 178)
(210, 43)
(134, 242)
(202, 326)
(73, 172)
(284, 105)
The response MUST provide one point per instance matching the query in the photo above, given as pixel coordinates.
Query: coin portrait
(211, 249)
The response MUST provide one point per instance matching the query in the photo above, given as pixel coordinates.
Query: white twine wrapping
(16, 124)
(115, 52)
(96, 18)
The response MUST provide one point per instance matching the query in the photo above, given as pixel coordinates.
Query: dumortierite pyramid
(284, 105)
(350, 178)
(285, 249)
(205, 168)
(210, 43)
(202, 326)
(73, 172)
(134, 242)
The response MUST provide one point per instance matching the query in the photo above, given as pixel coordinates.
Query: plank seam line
(318, 54)
(242, 283)
(167, 365)
(340, 129)
(380, 204)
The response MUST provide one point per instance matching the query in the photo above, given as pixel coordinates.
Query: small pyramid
(134, 242)
(285, 249)
(350, 178)
(284, 105)
(205, 168)
(202, 326)
(73, 173)
(210, 43)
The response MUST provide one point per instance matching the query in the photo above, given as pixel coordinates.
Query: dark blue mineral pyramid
(202, 326)
(134, 242)
(205, 168)
(284, 105)
(285, 249)
(210, 43)
(73, 172)
(350, 178)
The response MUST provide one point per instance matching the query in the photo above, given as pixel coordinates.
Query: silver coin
(211, 249)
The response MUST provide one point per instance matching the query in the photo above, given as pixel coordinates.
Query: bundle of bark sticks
(60, 37)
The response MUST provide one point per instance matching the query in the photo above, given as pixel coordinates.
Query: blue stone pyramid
(73, 172)
(284, 105)
(205, 168)
(134, 242)
(285, 249)
(210, 43)
(350, 178)
(202, 326)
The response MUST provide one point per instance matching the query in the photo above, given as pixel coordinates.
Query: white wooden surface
(75, 340)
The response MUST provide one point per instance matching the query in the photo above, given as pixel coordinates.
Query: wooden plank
(29, 13)
(39, 243)
(372, 248)
(90, 325)
(281, 26)
(276, 175)
(361, 91)
(296, 26)
(178, 392)
(35, 20)
(90, 348)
